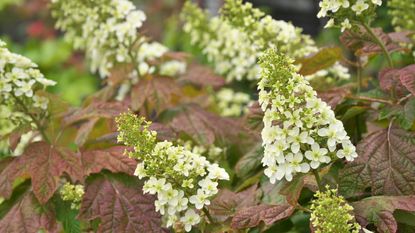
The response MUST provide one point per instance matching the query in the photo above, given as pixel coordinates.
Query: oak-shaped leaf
(386, 165)
(335, 96)
(323, 59)
(363, 43)
(100, 109)
(379, 210)
(202, 76)
(226, 203)
(112, 159)
(155, 93)
(253, 216)
(44, 164)
(401, 80)
(28, 216)
(120, 205)
(206, 127)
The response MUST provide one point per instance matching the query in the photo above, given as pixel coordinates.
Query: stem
(206, 212)
(34, 119)
(380, 43)
(370, 99)
(359, 75)
(300, 207)
(318, 180)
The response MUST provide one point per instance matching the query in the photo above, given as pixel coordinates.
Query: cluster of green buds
(183, 180)
(346, 13)
(72, 193)
(234, 40)
(300, 130)
(108, 31)
(331, 213)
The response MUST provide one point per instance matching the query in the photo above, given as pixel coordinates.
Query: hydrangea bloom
(300, 130)
(235, 40)
(212, 152)
(19, 82)
(184, 181)
(107, 30)
(331, 213)
(344, 13)
(72, 193)
(231, 103)
(403, 17)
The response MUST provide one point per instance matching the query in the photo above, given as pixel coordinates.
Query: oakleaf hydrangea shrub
(183, 180)
(300, 130)
(235, 40)
(20, 86)
(331, 213)
(108, 32)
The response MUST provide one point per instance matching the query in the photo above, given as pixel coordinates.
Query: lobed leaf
(202, 76)
(386, 164)
(379, 210)
(253, 216)
(323, 59)
(120, 207)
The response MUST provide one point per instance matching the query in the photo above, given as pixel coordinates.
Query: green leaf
(66, 215)
(352, 112)
(323, 59)
(379, 210)
(250, 161)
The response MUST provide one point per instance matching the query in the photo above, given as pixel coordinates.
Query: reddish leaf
(407, 77)
(394, 78)
(120, 207)
(386, 164)
(158, 92)
(321, 60)
(226, 203)
(84, 131)
(27, 216)
(252, 216)
(164, 132)
(99, 109)
(334, 96)
(112, 159)
(202, 76)
(44, 164)
(379, 210)
(364, 44)
(292, 190)
(206, 127)
(401, 37)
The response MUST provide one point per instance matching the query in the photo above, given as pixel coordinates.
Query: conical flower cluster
(183, 180)
(300, 130)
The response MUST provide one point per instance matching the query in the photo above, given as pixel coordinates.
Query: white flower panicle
(300, 131)
(20, 80)
(183, 180)
(235, 40)
(231, 103)
(108, 32)
(344, 13)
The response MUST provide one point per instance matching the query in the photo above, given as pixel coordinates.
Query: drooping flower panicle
(20, 81)
(300, 130)
(108, 32)
(183, 180)
(235, 40)
(331, 213)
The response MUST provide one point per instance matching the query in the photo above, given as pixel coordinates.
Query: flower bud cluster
(212, 152)
(72, 193)
(331, 213)
(344, 13)
(183, 180)
(20, 80)
(108, 32)
(231, 103)
(235, 40)
(300, 130)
